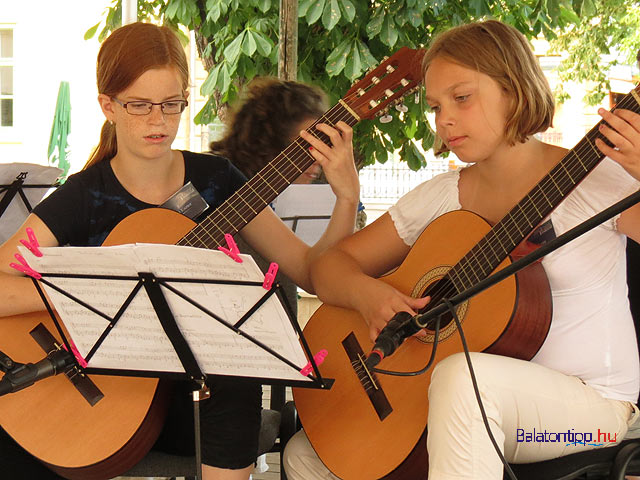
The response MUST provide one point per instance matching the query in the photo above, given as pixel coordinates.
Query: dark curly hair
(263, 122)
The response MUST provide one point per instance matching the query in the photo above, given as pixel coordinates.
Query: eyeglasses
(172, 107)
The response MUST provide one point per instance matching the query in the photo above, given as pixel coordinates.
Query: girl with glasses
(142, 78)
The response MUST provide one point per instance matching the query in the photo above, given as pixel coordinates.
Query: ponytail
(107, 148)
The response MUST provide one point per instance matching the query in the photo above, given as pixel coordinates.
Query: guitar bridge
(367, 378)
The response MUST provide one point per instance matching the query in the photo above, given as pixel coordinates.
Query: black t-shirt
(84, 210)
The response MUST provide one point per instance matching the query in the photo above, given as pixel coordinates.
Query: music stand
(306, 209)
(13, 178)
(164, 298)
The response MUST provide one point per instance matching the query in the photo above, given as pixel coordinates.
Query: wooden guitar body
(511, 318)
(53, 422)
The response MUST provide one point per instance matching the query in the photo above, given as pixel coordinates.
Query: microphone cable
(474, 382)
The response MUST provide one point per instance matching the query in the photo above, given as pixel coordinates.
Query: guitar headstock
(386, 84)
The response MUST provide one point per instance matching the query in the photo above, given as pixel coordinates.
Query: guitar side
(342, 423)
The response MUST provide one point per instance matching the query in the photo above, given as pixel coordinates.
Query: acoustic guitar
(50, 419)
(365, 427)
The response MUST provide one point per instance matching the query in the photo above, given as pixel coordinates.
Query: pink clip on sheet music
(319, 358)
(233, 250)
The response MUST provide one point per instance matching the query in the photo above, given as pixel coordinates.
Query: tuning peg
(401, 107)
(386, 118)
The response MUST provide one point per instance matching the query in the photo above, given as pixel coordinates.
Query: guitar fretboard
(494, 247)
(241, 207)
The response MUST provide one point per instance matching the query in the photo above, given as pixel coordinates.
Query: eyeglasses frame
(124, 105)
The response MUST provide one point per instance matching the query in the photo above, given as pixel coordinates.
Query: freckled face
(313, 172)
(148, 135)
(470, 109)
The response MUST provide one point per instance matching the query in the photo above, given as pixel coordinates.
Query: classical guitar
(51, 419)
(365, 426)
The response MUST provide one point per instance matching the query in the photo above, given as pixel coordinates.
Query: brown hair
(503, 53)
(126, 54)
(262, 124)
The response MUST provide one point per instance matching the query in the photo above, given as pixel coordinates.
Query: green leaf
(569, 15)
(264, 5)
(249, 44)
(374, 27)
(315, 11)
(367, 59)
(348, 10)
(225, 79)
(389, 34)
(415, 18)
(303, 7)
(263, 44)
(337, 59)
(588, 8)
(331, 15)
(172, 9)
(209, 84)
(353, 67)
(91, 32)
(232, 51)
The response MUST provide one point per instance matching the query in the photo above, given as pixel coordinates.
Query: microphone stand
(422, 320)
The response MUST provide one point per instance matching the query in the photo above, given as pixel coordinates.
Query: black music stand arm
(170, 327)
(17, 188)
(10, 193)
(610, 212)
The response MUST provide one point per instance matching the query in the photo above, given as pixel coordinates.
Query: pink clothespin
(25, 268)
(32, 244)
(83, 363)
(270, 276)
(233, 250)
(319, 358)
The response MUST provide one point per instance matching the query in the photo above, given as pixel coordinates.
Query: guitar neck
(249, 200)
(509, 232)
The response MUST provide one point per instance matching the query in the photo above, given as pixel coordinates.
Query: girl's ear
(107, 106)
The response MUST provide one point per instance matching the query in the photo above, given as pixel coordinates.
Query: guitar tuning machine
(386, 118)
(401, 107)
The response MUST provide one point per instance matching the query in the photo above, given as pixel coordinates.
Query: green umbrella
(57, 153)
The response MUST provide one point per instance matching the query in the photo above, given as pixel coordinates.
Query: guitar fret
(291, 161)
(248, 184)
(545, 197)
(580, 160)
(516, 224)
(267, 183)
(525, 216)
(555, 184)
(248, 205)
(593, 147)
(238, 213)
(568, 174)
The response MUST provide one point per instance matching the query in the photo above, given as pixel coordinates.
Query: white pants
(534, 413)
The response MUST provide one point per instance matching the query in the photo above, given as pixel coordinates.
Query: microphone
(26, 375)
(400, 327)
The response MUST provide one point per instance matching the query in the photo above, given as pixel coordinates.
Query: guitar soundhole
(438, 290)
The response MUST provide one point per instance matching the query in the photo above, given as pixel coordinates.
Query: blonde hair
(503, 53)
(126, 54)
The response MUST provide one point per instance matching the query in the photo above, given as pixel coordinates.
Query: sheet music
(315, 200)
(138, 342)
(17, 212)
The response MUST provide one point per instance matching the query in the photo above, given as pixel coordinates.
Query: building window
(6, 77)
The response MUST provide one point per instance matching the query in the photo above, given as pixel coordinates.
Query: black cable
(476, 390)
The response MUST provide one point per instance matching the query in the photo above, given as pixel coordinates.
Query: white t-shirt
(592, 335)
